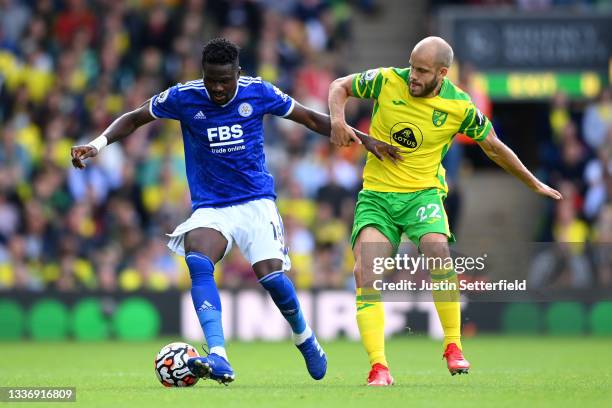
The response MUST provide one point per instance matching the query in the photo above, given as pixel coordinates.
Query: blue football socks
(206, 301)
(283, 294)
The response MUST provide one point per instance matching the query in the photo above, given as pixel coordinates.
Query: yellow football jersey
(423, 129)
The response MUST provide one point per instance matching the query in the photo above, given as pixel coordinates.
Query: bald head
(430, 60)
(436, 50)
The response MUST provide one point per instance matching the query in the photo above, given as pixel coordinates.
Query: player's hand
(547, 191)
(80, 153)
(342, 134)
(381, 149)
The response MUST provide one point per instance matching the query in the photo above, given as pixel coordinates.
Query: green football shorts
(414, 214)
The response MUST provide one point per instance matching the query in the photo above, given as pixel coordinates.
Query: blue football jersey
(224, 145)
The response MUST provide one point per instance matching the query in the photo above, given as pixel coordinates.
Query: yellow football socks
(446, 299)
(371, 322)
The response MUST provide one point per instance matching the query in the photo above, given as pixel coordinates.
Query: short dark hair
(220, 51)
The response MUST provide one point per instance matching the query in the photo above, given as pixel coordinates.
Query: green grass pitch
(506, 372)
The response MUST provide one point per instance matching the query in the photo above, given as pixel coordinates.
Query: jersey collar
(443, 86)
(233, 97)
(230, 101)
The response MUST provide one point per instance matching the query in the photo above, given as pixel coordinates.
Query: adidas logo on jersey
(200, 115)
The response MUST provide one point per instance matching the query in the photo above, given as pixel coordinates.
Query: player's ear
(443, 71)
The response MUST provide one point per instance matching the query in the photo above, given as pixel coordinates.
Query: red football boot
(455, 361)
(379, 376)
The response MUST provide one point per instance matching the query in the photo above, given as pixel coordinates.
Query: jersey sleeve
(166, 104)
(276, 101)
(367, 84)
(475, 124)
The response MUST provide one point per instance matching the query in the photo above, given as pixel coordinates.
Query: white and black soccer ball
(171, 365)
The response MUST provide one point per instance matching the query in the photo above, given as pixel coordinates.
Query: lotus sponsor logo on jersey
(438, 117)
(406, 138)
(225, 139)
(245, 110)
(407, 135)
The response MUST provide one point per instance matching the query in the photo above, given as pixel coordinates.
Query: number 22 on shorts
(431, 211)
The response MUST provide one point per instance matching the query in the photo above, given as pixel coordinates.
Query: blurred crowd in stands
(68, 68)
(576, 157)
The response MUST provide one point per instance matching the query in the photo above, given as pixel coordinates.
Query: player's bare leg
(207, 241)
(435, 245)
(272, 277)
(371, 243)
(204, 247)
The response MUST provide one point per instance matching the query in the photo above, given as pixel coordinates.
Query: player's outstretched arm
(508, 160)
(321, 123)
(120, 128)
(339, 91)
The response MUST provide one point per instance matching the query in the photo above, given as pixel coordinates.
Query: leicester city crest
(438, 118)
(245, 109)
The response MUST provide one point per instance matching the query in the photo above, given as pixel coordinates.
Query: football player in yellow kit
(419, 110)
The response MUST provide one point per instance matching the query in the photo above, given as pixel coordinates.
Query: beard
(427, 88)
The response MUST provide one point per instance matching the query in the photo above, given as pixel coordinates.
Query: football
(171, 365)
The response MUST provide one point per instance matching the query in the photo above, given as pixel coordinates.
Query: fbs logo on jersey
(225, 135)
(438, 118)
(405, 137)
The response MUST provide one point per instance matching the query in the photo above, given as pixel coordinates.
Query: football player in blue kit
(232, 192)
